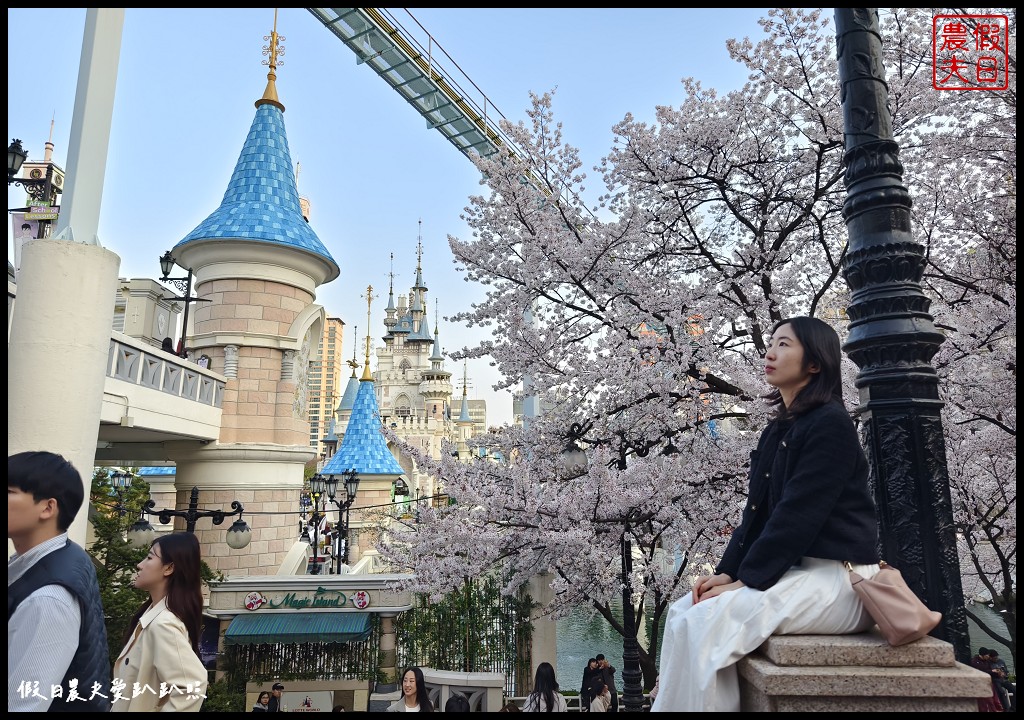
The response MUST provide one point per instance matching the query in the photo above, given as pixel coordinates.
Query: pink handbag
(898, 612)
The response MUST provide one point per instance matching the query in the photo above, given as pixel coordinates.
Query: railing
(138, 363)
(573, 702)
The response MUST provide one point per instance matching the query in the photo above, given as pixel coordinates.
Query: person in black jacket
(275, 704)
(56, 631)
(586, 691)
(607, 674)
(809, 509)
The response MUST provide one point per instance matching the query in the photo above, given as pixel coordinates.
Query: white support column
(58, 353)
(90, 126)
(59, 337)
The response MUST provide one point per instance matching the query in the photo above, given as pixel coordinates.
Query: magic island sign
(321, 598)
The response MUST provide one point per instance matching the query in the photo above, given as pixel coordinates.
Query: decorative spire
(419, 258)
(464, 415)
(366, 364)
(353, 363)
(436, 357)
(275, 50)
(391, 284)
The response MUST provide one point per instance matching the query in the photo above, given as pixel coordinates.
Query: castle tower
(436, 387)
(364, 449)
(465, 422)
(414, 390)
(257, 262)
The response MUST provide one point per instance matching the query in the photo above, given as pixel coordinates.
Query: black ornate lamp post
(239, 534)
(317, 487)
(120, 481)
(574, 462)
(351, 487)
(37, 188)
(184, 286)
(42, 190)
(893, 339)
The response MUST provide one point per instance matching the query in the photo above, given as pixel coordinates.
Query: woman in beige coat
(161, 646)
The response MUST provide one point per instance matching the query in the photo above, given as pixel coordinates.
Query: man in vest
(57, 656)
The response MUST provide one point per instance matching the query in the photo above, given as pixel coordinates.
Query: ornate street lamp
(317, 487)
(239, 534)
(120, 481)
(38, 189)
(184, 286)
(351, 487)
(574, 462)
(893, 338)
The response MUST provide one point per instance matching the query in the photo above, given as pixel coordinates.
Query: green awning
(298, 627)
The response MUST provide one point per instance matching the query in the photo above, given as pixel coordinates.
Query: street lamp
(351, 487)
(574, 462)
(35, 187)
(184, 286)
(120, 481)
(893, 338)
(238, 536)
(317, 486)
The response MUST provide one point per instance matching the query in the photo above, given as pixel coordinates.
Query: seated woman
(808, 510)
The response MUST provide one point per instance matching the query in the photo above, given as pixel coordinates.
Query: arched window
(402, 406)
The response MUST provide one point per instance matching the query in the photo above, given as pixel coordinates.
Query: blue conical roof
(464, 416)
(363, 448)
(348, 399)
(331, 435)
(262, 201)
(437, 346)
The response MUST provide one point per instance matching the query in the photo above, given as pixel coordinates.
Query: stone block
(862, 673)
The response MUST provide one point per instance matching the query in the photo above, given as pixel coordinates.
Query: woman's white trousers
(703, 642)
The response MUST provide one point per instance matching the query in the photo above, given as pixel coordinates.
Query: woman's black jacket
(809, 497)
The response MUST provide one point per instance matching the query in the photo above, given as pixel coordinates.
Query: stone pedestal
(857, 673)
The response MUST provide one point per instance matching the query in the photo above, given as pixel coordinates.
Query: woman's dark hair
(422, 696)
(597, 687)
(260, 698)
(544, 686)
(821, 348)
(457, 702)
(184, 585)
(167, 345)
(47, 475)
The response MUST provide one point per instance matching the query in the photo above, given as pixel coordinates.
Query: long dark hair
(821, 348)
(422, 696)
(184, 585)
(544, 686)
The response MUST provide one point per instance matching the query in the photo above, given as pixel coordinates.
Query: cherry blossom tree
(640, 321)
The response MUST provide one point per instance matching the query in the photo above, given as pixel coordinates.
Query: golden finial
(366, 364)
(275, 50)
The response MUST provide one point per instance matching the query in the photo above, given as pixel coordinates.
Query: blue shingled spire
(363, 448)
(464, 417)
(348, 399)
(262, 201)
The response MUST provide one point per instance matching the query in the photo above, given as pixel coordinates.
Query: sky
(376, 177)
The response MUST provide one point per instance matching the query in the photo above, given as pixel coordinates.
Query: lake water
(581, 636)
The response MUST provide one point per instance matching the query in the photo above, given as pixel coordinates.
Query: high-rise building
(326, 373)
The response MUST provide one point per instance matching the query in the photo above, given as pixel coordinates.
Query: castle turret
(365, 450)
(436, 386)
(257, 264)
